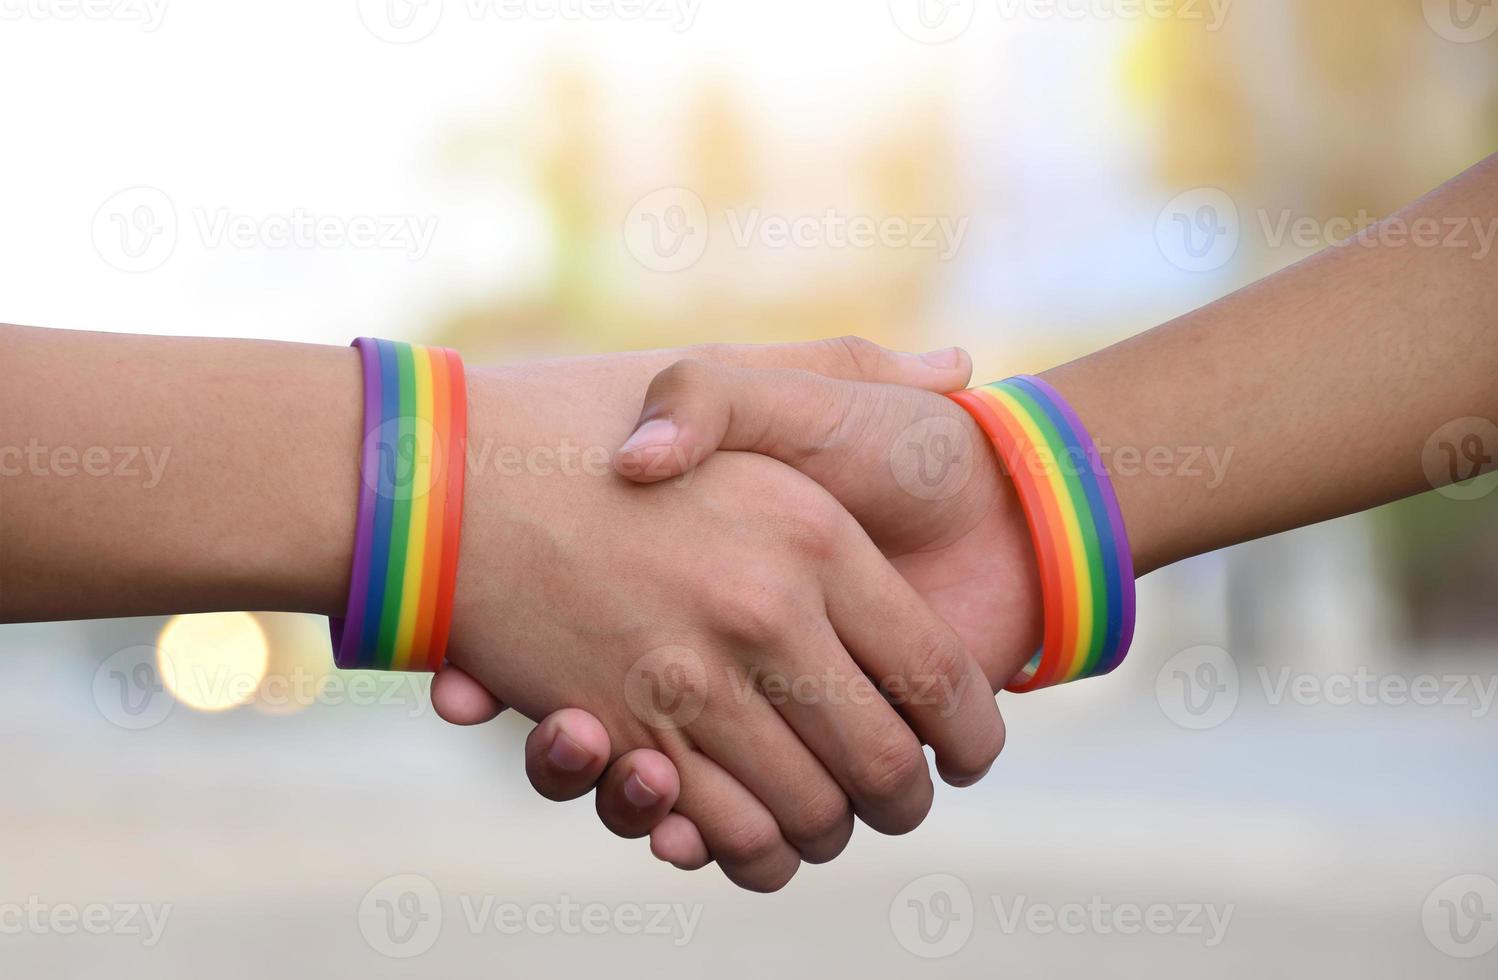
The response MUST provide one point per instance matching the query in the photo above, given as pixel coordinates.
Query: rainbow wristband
(1086, 569)
(410, 514)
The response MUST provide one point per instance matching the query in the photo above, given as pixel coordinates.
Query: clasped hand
(801, 564)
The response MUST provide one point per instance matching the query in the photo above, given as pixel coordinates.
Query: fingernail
(656, 432)
(567, 755)
(949, 358)
(638, 793)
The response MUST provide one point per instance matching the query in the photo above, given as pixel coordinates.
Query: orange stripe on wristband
(1076, 528)
(456, 461)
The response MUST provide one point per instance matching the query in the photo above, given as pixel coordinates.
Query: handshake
(743, 610)
(744, 661)
(793, 567)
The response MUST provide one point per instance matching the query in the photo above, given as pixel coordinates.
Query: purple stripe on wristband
(348, 632)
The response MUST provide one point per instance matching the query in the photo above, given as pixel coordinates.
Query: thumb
(687, 416)
(845, 435)
(909, 465)
(695, 408)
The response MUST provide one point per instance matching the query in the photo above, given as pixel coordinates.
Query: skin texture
(1320, 390)
(576, 589)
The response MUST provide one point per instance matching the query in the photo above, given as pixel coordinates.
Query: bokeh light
(213, 661)
(301, 660)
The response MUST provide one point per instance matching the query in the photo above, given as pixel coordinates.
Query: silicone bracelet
(410, 509)
(1086, 568)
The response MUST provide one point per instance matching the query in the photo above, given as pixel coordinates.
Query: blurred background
(1293, 774)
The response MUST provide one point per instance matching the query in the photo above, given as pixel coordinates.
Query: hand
(573, 552)
(955, 531)
(911, 466)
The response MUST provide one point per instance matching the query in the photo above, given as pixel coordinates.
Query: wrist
(1120, 430)
(296, 543)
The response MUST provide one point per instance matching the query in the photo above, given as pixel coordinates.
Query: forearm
(152, 475)
(1304, 397)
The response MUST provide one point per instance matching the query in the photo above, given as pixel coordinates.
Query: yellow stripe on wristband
(421, 485)
(1046, 466)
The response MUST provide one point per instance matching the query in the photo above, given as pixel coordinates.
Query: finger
(740, 833)
(460, 699)
(852, 359)
(911, 466)
(637, 792)
(840, 716)
(695, 408)
(676, 840)
(853, 438)
(754, 744)
(919, 663)
(566, 753)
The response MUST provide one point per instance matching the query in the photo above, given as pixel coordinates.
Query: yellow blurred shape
(212, 661)
(301, 659)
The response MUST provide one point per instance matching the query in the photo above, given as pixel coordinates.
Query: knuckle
(941, 663)
(750, 842)
(806, 518)
(823, 815)
(815, 534)
(836, 414)
(856, 357)
(891, 770)
(751, 614)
